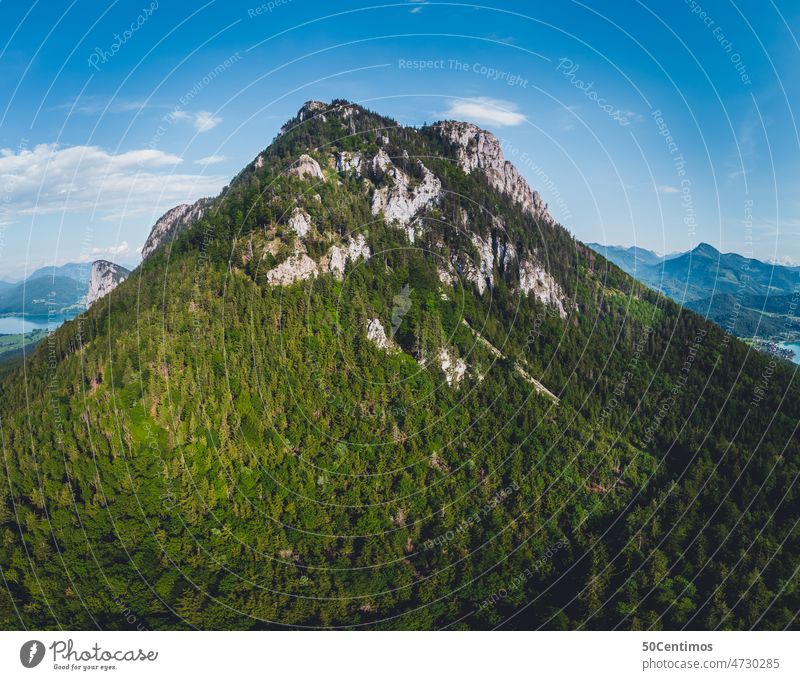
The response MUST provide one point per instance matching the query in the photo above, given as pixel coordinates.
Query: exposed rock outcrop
(522, 372)
(306, 166)
(535, 279)
(308, 110)
(454, 368)
(106, 276)
(377, 334)
(403, 198)
(311, 109)
(300, 222)
(351, 250)
(504, 249)
(347, 161)
(172, 222)
(477, 149)
(297, 267)
(485, 276)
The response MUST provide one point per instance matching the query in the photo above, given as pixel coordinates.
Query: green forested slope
(202, 449)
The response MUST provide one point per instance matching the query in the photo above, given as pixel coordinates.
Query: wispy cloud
(485, 110)
(203, 121)
(49, 179)
(211, 160)
(92, 104)
(121, 249)
(667, 189)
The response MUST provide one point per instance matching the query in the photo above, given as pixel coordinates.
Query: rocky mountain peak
(310, 109)
(478, 149)
(171, 222)
(314, 109)
(401, 185)
(105, 277)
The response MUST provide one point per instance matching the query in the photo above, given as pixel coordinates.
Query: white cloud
(48, 179)
(121, 249)
(485, 110)
(667, 189)
(210, 160)
(203, 121)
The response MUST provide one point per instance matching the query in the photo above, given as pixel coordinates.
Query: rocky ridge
(477, 149)
(172, 222)
(105, 277)
(402, 190)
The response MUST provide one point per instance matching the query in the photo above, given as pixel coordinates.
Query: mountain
(744, 295)
(79, 271)
(631, 259)
(374, 384)
(705, 270)
(104, 278)
(56, 295)
(63, 290)
(171, 222)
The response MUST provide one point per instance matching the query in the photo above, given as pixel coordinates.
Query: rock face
(535, 279)
(377, 334)
(477, 149)
(306, 167)
(298, 267)
(403, 191)
(403, 199)
(300, 222)
(308, 110)
(106, 276)
(454, 369)
(347, 161)
(446, 277)
(172, 222)
(351, 250)
(484, 277)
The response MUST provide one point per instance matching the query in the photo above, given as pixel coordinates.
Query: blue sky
(654, 123)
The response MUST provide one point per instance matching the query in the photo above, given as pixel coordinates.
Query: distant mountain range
(59, 295)
(79, 271)
(747, 297)
(61, 290)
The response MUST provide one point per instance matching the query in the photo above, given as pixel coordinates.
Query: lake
(17, 323)
(795, 347)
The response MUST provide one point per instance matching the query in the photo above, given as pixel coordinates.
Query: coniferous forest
(208, 448)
